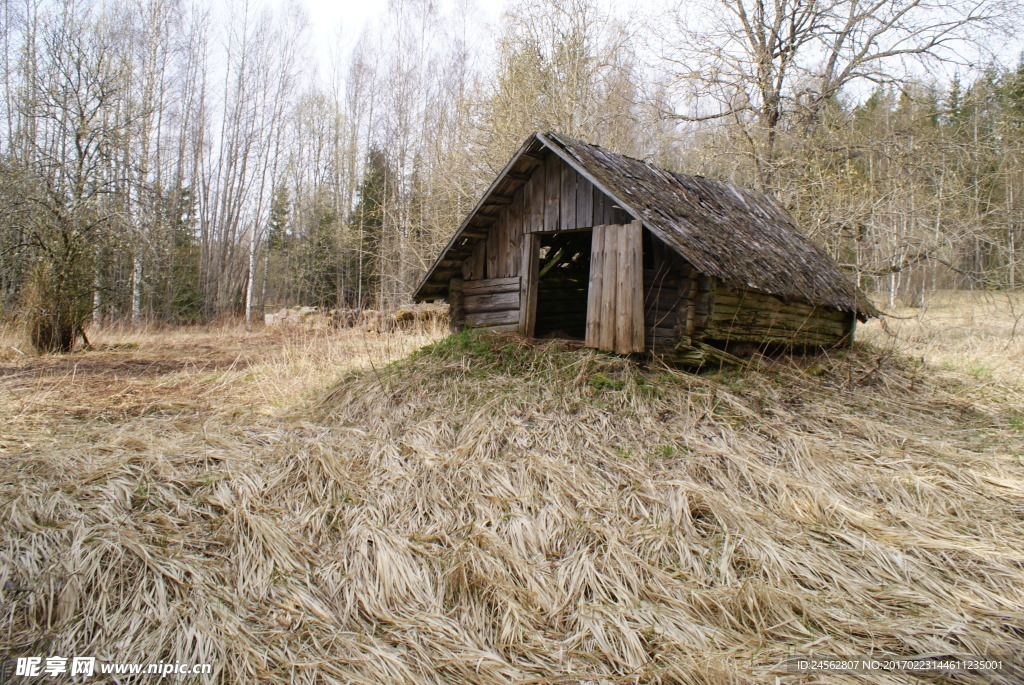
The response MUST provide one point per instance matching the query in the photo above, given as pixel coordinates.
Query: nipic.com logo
(88, 666)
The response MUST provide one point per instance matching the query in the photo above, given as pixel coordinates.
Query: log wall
(677, 298)
(487, 303)
(683, 308)
(739, 315)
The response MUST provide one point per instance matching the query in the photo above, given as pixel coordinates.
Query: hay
(489, 512)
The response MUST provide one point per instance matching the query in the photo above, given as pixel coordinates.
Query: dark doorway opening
(563, 275)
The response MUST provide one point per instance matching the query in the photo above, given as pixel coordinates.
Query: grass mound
(488, 511)
(644, 521)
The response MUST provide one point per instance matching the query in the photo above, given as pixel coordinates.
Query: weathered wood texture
(550, 197)
(594, 289)
(553, 197)
(528, 283)
(702, 237)
(487, 303)
(666, 287)
(747, 316)
(456, 306)
(615, 311)
(490, 274)
(469, 253)
(664, 307)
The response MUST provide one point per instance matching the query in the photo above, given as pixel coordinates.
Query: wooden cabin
(574, 241)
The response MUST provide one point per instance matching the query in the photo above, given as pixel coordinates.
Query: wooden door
(615, 299)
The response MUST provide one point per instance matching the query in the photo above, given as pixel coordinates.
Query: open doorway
(563, 275)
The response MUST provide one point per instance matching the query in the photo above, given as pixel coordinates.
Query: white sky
(333, 21)
(336, 24)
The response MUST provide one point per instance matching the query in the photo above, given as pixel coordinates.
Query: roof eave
(418, 294)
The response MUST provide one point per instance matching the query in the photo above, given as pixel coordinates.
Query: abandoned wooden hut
(574, 241)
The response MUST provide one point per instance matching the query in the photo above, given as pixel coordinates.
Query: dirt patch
(122, 380)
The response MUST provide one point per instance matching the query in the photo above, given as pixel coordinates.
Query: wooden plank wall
(677, 299)
(490, 303)
(683, 307)
(615, 305)
(554, 198)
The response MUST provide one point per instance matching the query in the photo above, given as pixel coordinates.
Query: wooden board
(598, 212)
(552, 191)
(593, 329)
(479, 258)
(528, 285)
(491, 285)
(609, 271)
(631, 261)
(584, 203)
(498, 302)
(533, 199)
(508, 317)
(615, 304)
(567, 202)
(493, 252)
(514, 234)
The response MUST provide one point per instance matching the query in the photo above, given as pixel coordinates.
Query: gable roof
(740, 236)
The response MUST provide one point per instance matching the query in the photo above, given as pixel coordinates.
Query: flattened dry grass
(486, 511)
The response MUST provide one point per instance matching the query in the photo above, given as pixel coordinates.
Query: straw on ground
(487, 511)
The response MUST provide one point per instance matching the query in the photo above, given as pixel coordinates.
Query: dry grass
(980, 334)
(487, 512)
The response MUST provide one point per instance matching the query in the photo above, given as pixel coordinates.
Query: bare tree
(758, 63)
(69, 107)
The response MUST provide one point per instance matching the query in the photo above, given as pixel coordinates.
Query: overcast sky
(332, 21)
(337, 24)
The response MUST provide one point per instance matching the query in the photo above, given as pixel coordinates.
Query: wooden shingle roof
(740, 236)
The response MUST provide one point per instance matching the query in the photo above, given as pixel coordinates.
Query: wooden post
(552, 191)
(609, 271)
(594, 296)
(528, 285)
(456, 310)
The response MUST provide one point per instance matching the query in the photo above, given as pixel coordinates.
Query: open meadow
(300, 505)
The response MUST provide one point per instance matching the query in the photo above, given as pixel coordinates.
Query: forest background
(162, 162)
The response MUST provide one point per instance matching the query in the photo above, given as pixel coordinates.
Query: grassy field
(302, 505)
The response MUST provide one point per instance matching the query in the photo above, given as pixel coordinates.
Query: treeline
(156, 167)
